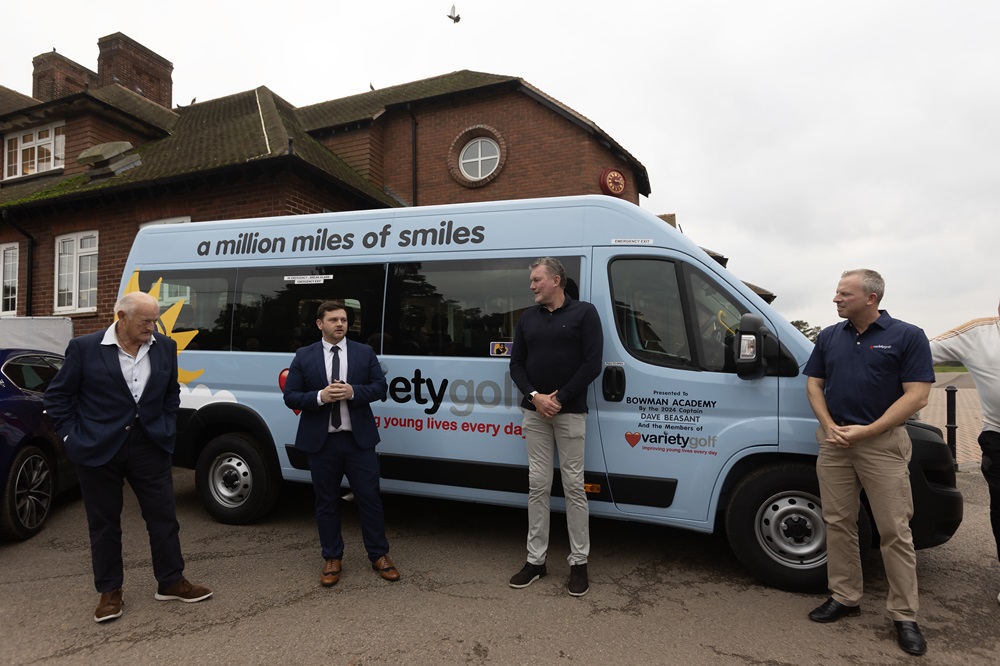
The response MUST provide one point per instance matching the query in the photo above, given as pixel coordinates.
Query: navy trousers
(148, 470)
(340, 456)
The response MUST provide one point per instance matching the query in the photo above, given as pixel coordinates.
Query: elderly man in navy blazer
(114, 403)
(332, 383)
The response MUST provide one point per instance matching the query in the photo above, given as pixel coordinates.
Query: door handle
(613, 383)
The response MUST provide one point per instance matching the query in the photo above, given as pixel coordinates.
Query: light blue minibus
(699, 420)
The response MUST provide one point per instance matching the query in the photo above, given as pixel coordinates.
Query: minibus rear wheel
(774, 522)
(233, 480)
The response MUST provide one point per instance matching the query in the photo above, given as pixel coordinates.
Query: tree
(811, 332)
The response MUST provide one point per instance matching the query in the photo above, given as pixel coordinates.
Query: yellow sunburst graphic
(165, 325)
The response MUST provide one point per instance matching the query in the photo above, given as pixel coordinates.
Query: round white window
(479, 158)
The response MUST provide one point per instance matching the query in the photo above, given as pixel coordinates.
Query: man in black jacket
(555, 356)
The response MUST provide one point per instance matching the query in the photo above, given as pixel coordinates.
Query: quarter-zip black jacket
(558, 351)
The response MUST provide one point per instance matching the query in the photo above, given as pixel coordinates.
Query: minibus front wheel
(774, 522)
(233, 480)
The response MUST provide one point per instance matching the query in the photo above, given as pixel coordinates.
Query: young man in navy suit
(332, 383)
(114, 403)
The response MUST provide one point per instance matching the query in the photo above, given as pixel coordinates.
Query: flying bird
(453, 16)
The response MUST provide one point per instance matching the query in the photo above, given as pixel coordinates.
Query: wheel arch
(206, 423)
(747, 464)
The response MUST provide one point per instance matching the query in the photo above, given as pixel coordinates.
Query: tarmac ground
(658, 596)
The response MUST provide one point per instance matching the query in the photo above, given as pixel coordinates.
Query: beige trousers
(565, 434)
(880, 466)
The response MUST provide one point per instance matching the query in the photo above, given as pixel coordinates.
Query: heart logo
(632, 438)
(282, 376)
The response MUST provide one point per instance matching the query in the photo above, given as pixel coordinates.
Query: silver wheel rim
(231, 480)
(33, 492)
(790, 529)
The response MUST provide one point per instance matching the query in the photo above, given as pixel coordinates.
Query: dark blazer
(307, 375)
(93, 409)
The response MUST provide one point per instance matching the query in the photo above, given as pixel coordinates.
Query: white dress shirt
(345, 416)
(137, 370)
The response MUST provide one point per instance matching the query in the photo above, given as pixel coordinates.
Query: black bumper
(937, 502)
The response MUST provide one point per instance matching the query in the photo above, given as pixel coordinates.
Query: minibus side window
(672, 315)
(197, 302)
(275, 308)
(458, 308)
(717, 319)
(649, 315)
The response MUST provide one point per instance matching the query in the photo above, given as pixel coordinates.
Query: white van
(699, 421)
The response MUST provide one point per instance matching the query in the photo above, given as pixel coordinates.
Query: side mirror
(749, 351)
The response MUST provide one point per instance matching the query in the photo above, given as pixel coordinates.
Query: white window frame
(23, 150)
(75, 266)
(8, 276)
(478, 159)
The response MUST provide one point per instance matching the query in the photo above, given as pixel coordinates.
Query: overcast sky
(798, 138)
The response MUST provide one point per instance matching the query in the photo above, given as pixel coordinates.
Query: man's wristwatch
(531, 396)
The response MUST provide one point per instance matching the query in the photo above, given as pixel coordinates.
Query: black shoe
(578, 585)
(832, 610)
(528, 575)
(909, 637)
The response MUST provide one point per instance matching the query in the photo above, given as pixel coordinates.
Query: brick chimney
(125, 61)
(56, 76)
(122, 60)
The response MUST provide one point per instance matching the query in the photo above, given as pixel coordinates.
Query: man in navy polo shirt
(866, 377)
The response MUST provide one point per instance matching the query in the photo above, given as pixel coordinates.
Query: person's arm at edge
(943, 352)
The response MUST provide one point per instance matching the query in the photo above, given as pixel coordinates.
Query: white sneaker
(998, 598)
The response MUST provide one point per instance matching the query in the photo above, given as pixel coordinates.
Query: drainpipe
(413, 152)
(31, 255)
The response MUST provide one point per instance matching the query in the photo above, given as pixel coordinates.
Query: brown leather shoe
(386, 568)
(331, 573)
(109, 607)
(182, 590)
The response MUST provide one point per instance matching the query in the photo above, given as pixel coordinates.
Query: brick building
(90, 157)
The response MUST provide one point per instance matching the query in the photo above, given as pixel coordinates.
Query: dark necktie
(334, 376)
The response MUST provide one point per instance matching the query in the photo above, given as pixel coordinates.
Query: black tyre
(775, 526)
(27, 494)
(234, 481)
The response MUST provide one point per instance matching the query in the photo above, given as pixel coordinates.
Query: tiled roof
(257, 125)
(136, 105)
(11, 100)
(238, 129)
(370, 105)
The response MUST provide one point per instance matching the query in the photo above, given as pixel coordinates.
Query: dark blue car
(33, 464)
